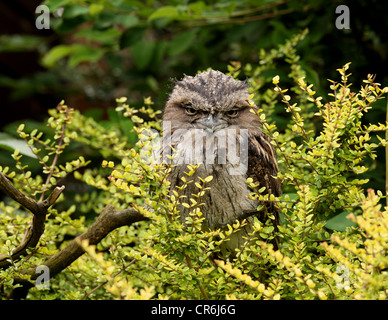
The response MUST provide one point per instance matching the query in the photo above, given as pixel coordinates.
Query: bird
(208, 122)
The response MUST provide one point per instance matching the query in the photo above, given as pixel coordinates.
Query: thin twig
(57, 153)
(17, 195)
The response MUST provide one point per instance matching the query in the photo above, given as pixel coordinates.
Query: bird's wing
(263, 169)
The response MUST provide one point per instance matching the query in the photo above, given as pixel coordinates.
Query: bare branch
(108, 220)
(16, 195)
(52, 198)
(36, 228)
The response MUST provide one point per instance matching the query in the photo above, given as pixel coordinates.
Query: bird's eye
(233, 113)
(190, 111)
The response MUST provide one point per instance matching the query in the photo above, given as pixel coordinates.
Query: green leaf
(107, 37)
(131, 36)
(74, 11)
(95, 8)
(78, 53)
(164, 12)
(198, 7)
(109, 19)
(126, 20)
(9, 43)
(142, 53)
(55, 54)
(104, 20)
(68, 25)
(340, 222)
(181, 42)
(55, 4)
(289, 197)
(10, 143)
(85, 54)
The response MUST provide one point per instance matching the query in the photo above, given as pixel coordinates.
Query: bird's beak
(212, 123)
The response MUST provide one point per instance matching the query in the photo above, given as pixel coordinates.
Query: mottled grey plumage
(201, 114)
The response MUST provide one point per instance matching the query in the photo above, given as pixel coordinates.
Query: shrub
(332, 236)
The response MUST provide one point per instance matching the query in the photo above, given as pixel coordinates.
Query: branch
(36, 228)
(57, 153)
(108, 220)
(15, 194)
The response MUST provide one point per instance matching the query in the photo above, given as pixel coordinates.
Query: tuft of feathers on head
(210, 90)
